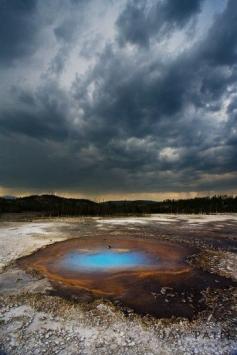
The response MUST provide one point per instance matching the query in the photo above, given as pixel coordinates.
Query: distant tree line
(51, 205)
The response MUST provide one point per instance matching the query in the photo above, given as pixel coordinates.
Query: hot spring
(105, 260)
(145, 275)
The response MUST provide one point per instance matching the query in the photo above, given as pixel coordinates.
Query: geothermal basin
(147, 276)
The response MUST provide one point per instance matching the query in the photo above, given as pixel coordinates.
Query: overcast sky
(118, 98)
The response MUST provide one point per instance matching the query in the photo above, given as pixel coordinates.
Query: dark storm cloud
(139, 104)
(132, 121)
(220, 48)
(18, 29)
(140, 21)
(41, 115)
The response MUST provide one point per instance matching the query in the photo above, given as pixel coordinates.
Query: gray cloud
(40, 115)
(220, 47)
(18, 29)
(130, 121)
(142, 20)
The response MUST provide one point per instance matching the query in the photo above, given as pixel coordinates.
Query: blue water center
(101, 260)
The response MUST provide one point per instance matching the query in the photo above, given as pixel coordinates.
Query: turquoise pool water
(102, 260)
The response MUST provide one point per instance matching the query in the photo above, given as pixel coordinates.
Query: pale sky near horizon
(125, 99)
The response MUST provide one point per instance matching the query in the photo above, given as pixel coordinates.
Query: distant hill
(51, 205)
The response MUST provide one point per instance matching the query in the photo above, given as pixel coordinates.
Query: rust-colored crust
(171, 265)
